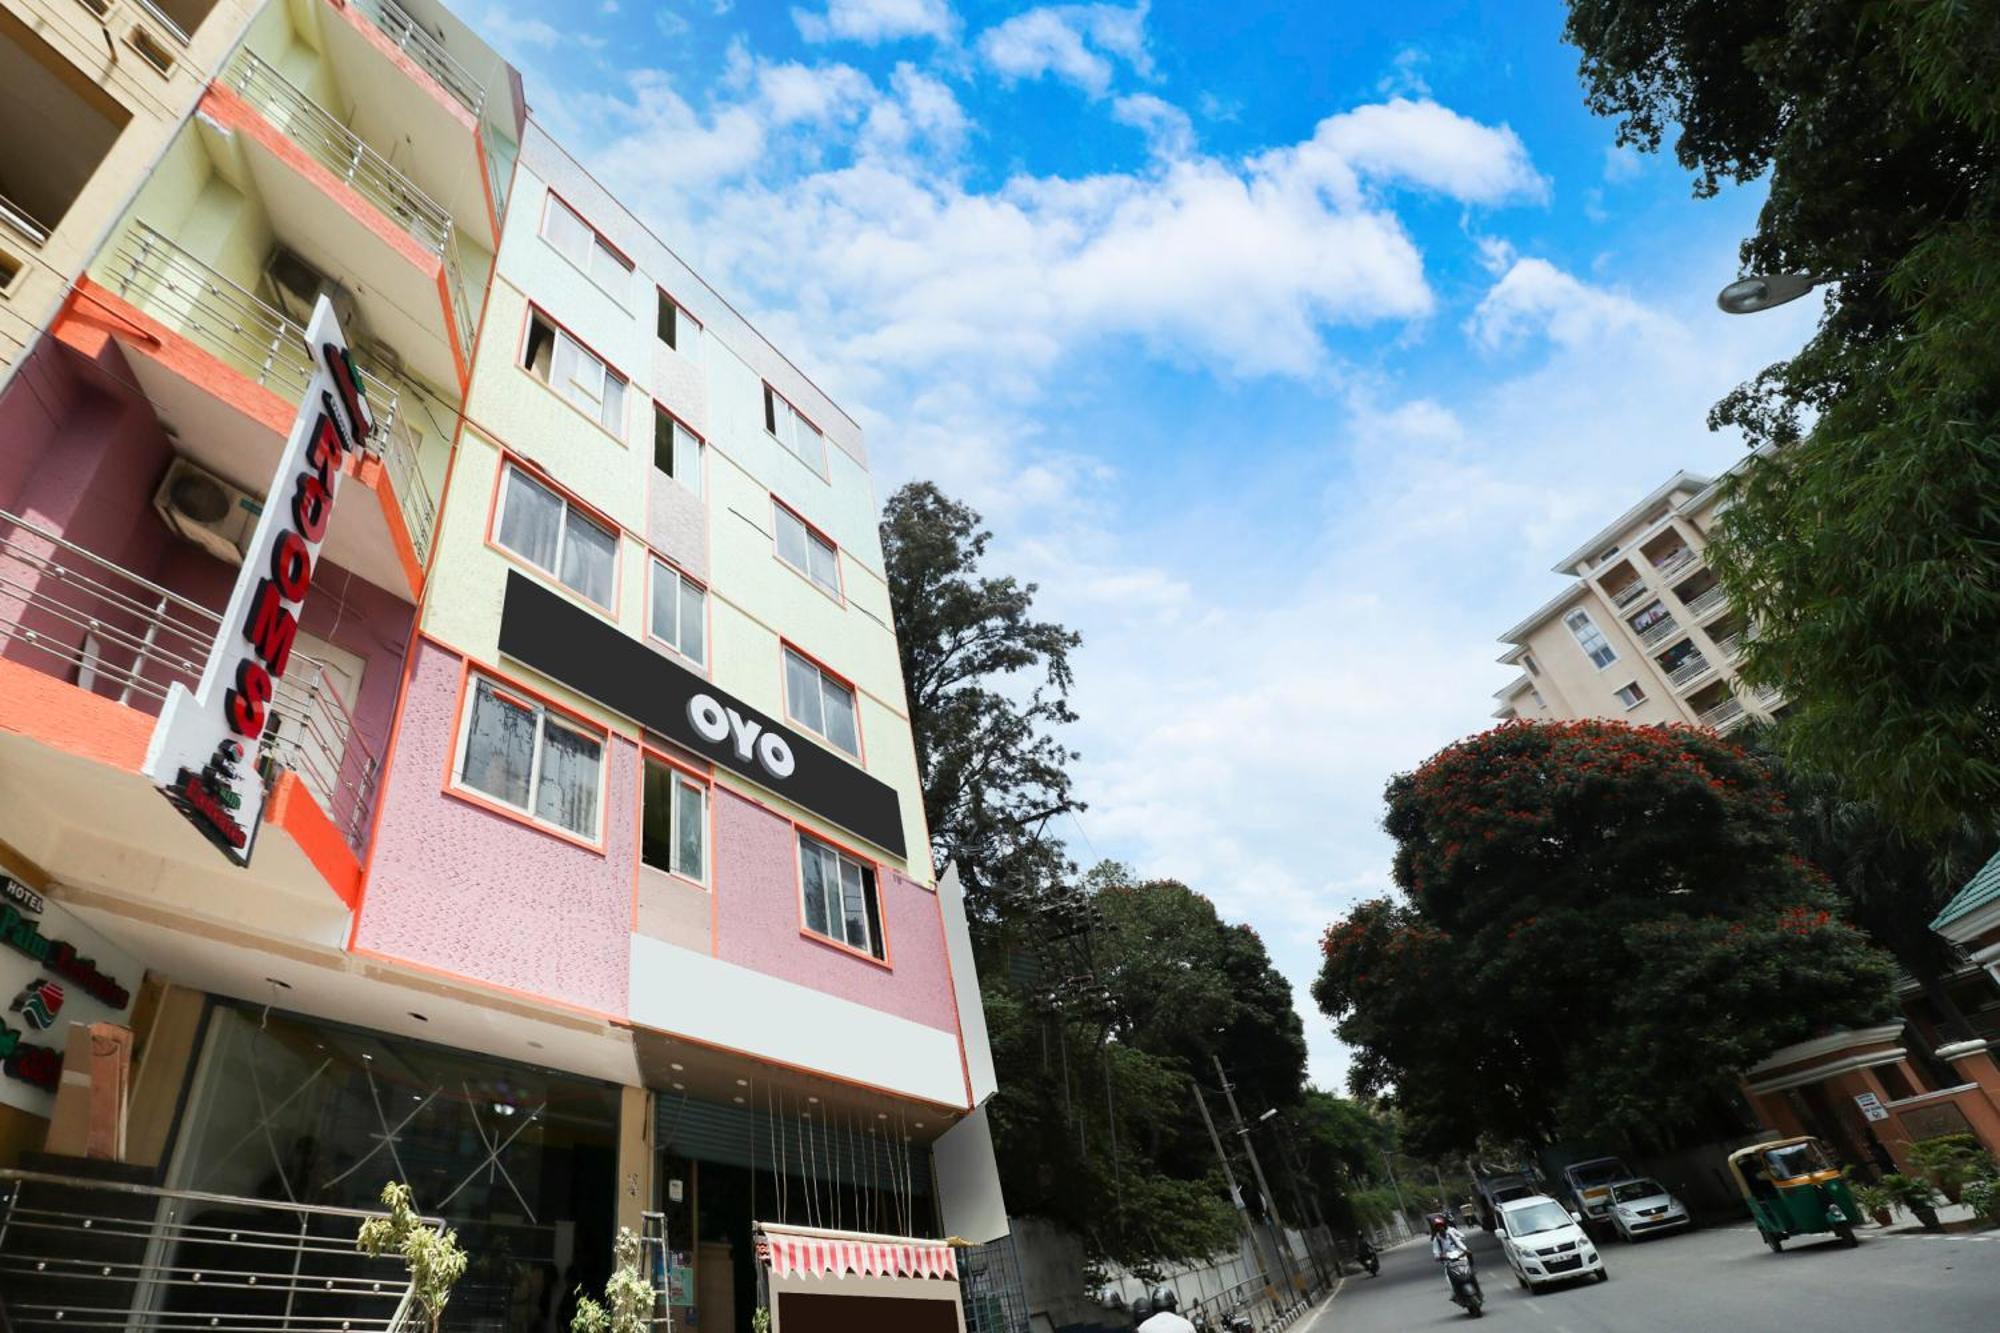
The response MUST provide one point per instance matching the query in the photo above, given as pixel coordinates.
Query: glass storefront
(522, 1161)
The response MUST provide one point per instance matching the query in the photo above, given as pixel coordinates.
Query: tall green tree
(1603, 925)
(988, 694)
(1864, 539)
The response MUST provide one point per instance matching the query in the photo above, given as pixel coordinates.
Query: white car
(1544, 1243)
(1642, 1206)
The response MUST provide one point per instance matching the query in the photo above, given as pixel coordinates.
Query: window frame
(690, 776)
(858, 755)
(1632, 685)
(699, 486)
(680, 309)
(1596, 629)
(869, 867)
(562, 330)
(772, 400)
(813, 533)
(552, 201)
(521, 696)
(511, 463)
(654, 564)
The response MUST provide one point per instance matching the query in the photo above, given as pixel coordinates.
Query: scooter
(1465, 1284)
(1364, 1254)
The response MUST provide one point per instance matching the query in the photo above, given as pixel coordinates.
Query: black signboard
(543, 630)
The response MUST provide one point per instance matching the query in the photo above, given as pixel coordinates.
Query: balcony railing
(1723, 716)
(348, 156)
(1692, 669)
(1657, 632)
(1629, 594)
(71, 613)
(1675, 560)
(22, 221)
(429, 53)
(83, 1253)
(229, 323)
(1707, 600)
(1731, 646)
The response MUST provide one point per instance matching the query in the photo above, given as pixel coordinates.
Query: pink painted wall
(758, 925)
(466, 891)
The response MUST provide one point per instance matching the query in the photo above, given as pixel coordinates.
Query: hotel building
(591, 884)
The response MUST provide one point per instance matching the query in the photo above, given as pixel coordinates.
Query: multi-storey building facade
(591, 879)
(1644, 632)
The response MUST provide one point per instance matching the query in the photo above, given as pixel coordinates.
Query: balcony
(1731, 646)
(82, 1252)
(1681, 557)
(72, 614)
(1692, 668)
(359, 167)
(1657, 632)
(1723, 717)
(426, 52)
(1629, 594)
(1707, 602)
(170, 286)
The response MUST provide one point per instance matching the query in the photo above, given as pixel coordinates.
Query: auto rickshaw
(1794, 1187)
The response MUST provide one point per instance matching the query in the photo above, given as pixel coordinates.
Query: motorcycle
(1365, 1255)
(1465, 1289)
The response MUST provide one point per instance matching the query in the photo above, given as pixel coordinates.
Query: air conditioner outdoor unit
(297, 287)
(207, 510)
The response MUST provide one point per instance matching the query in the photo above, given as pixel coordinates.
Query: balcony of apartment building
(60, 128)
(1702, 596)
(1684, 665)
(135, 469)
(1669, 555)
(1653, 624)
(1623, 585)
(1716, 707)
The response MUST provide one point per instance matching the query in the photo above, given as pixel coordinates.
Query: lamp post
(1764, 291)
(1271, 1220)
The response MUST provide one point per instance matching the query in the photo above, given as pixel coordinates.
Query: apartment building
(569, 860)
(1644, 632)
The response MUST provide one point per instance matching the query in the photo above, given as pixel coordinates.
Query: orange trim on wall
(472, 796)
(452, 331)
(296, 810)
(416, 73)
(887, 962)
(372, 473)
(87, 334)
(65, 717)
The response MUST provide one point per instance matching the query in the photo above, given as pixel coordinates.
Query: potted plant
(1950, 1162)
(1916, 1194)
(629, 1298)
(1983, 1197)
(1874, 1201)
(432, 1254)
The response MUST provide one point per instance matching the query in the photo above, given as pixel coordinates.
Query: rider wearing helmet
(1166, 1317)
(1447, 1242)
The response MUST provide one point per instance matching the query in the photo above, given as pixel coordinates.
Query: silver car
(1641, 1206)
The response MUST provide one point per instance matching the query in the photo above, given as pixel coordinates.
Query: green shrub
(431, 1253)
(1982, 1196)
(628, 1295)
(1951, 1160)
(1872, 1199)
(1912, 1192)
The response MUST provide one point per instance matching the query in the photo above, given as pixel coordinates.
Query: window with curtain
(514, 750)
(676, 450)
(674, 827)
(840, 899)
(555, 537)
(820, 703)
(572, 370)
(680, 612)
(581, 244)
(799, 436)
(805, 550)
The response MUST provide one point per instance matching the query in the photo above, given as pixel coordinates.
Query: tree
(994, 773)
(1604, 925)
(432, 1254)
(1862, 540)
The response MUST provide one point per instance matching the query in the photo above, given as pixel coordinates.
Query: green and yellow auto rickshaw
(1794, 1187)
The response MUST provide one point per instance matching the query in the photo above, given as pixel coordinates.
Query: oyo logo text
(712, 722)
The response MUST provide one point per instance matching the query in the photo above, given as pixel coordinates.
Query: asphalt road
(1717, 1280)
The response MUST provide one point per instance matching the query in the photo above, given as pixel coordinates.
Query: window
(1654, 612)
(793, 431)
(1631, 695)
(679, 616)
(579, 242)
(676, 450)
(565, 365)
(1528, 660)
(820, 704)
(1539, 702)
(674, 830)
(529, 759)
(805, 550)
(840, 897)
(551, 534)
(1590, 638)
(677, 328)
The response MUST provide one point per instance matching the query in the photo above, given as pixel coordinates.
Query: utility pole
(1306, 1197)
(1229, 1174)
(1401, 1206)
(1263, 1186)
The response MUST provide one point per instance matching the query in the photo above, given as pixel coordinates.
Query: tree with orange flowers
(1602, 925)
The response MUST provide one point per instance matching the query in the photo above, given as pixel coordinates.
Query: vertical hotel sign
(204, 751)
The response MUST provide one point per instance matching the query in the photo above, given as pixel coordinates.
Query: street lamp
(1763, 291)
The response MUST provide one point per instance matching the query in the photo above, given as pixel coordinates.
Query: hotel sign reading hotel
(204, 751)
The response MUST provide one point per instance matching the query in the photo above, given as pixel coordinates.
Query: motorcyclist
(1447, 1243)
(1166, 1314)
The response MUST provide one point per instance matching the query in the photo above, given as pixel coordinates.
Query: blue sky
(1286, 345)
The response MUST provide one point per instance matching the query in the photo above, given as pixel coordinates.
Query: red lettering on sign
(291, 567)
(246, 703)
(346, 383)
(323, 450)
(311, 507)
(271, 628)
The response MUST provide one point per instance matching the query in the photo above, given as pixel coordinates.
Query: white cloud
(1425, 145)
(1080, 44)
(1405, 77)
(1535, 297)
(873, 21)
(1169, 133)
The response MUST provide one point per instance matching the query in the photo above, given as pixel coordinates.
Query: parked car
(1545, 1243)
(1641, 1206)
(1590, 1185)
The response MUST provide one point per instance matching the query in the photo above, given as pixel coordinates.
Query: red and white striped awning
(816, 1252)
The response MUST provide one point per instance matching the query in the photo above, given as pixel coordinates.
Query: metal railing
(165, 21)
(1692, 669)
(427, 51)
(99, 1254)
(1657, 631)
(22, 221)
(73, 614)
(1722, 716)
(1677, 559)
(1707, 600)
(1731, 646)
(186, 295)
(1628, 594)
